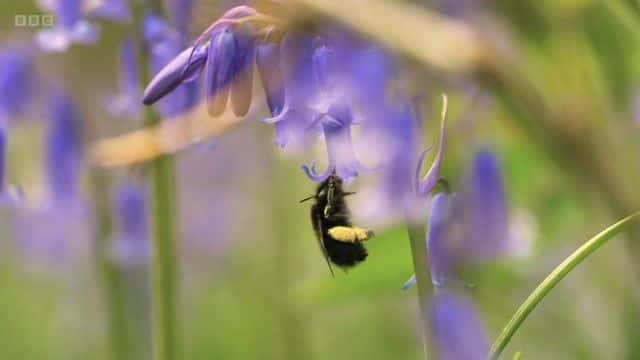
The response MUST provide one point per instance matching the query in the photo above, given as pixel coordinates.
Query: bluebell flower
(16, 82)
(131, 244)
(294, 120)
(227, 48)
(456, 328)
(127, 102)
(63, 157)
(70, 26)
(471, 227)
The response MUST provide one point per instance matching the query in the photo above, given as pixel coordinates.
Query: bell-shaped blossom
(296, 120)
(175, 70)
(63, 157)
(131, 244)
(127, 102)
(336, 125)
(456, 328)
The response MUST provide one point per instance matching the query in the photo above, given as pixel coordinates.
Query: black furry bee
(340, 242)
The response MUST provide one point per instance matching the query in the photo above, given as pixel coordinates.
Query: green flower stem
(554, 278)
(163, 223)
(118, 345)
(423, 277)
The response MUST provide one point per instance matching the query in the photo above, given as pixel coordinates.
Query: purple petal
(430, 180)
(486, 209)
(410, 283)
(438, 241)
(174, 73)
(220, 68)
(456, 329)
(242, 85)
(268, 63)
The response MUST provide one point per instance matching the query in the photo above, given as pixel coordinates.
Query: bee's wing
(320, 238)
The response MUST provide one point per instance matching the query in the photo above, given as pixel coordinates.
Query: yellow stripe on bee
(350, 234)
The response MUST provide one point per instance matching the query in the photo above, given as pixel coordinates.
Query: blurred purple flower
(131, 244)
(456, 329)
(485, 209)
(70, 26)
(9, 195)
(63, 157)
(127, 102)
(180, 13)
(16, 82)
(112, 10)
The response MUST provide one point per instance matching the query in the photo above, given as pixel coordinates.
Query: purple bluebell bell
(70, 26)
(131, 244)
(127, 102)
(175, 70)
(296, 120)
(456, 328)
(63, 157)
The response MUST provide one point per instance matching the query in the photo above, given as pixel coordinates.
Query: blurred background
(252, 281)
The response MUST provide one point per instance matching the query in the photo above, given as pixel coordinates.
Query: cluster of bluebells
(325, 81)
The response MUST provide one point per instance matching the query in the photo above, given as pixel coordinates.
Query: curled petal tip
(409, 283)
(430, 180)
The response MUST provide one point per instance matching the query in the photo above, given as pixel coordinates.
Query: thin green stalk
(118, 345)
(163, 223)
(423, 277)
(554, 278)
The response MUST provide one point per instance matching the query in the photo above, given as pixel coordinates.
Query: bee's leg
(350, 234)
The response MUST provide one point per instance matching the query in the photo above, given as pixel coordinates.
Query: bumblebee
(339, 240)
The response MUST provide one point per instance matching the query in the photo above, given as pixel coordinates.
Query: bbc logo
(33, 20)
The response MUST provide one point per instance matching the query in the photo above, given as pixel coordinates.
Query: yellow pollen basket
(350, 234)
